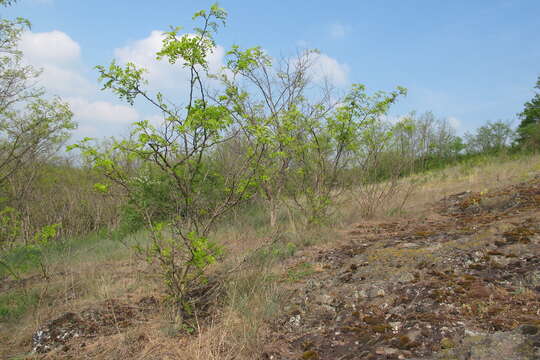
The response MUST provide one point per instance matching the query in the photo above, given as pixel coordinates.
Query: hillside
(454, 276)
(449, 284)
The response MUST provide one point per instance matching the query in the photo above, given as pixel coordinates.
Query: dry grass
(488, 174)
(238, 328)
(478, 175)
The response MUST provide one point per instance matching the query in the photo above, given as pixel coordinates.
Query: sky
(467, 61)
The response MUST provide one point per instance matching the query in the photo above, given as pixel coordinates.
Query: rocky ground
(461, 283)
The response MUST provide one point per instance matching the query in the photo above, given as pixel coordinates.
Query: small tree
(529, 128)
(490, 138)
(271, 97)
(332, 143)
(309, 133)
(182, 151)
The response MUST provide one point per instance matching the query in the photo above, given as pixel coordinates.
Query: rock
(408, 246)
(386, 351)
(529, 330)
(533, 279)
(57, 332)
(324, 299)
(520, 344)
(496, 203)
(404, 277)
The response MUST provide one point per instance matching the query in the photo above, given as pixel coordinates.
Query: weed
(301, 271)
(14, 304)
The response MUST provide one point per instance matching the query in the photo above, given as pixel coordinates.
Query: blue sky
(470, 61)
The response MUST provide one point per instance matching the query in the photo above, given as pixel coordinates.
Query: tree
(32, 127)
(490, 138)
(309, 133)
(270, 96)
(182, 153)
(330, 146)
(529, 128)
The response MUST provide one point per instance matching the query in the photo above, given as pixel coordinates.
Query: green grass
(301, 271)
(15, 304)
(19, 260)
(96, 246)
(272, 253)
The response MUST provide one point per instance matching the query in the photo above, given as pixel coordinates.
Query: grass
(477, 173)
(19, 260)
(301, 271)
(87, 270)
(14, 304)
(97, 247)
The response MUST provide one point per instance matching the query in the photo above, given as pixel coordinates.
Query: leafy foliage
(169, 172)
(529, 128)
(32, 128)
(492, 137)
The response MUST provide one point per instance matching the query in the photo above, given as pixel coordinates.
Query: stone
(57, 332)
(324, 299)
(516, 345)
(386, 351)
(533, 279)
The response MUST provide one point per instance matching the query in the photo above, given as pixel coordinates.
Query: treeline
(261, 130)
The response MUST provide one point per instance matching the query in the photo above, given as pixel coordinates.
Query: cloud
(50, 47)
(326, 68)
(65, 74)
(454, 122)
(102, 112)
(160, 73)
(338, 31)
(59, 56)
(65, 81)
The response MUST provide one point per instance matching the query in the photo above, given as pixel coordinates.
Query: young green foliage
(172, 174)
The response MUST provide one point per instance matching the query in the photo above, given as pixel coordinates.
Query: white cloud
(338, 31)
(91, 112)
(454, 122)
(50, 47)
(60, 58)
(327, 68)
(160, 73)
(65, 81)
(65, 74)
